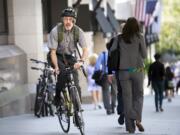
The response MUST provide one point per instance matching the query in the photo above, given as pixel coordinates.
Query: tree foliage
(170, 31)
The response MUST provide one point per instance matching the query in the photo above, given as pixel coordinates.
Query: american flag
(144, 10)
(140, 10)
(150, 7)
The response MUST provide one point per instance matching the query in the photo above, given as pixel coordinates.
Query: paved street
(98, 123)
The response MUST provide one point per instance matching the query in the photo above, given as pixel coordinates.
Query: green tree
(170, 31)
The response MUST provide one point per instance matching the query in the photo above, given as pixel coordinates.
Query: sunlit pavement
(98, 123)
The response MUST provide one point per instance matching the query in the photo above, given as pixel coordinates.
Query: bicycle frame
(71, 102)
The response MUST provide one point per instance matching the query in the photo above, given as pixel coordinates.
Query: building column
(25, 30)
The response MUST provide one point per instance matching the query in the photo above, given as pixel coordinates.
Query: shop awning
(113, 21)
(104, 23)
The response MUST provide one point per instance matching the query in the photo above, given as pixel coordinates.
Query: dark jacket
(156, 71)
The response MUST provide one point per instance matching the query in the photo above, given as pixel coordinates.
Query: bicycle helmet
(69, 12)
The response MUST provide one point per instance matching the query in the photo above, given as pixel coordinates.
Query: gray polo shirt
(67, 44)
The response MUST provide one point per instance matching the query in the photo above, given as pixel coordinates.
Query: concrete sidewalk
(98, 123)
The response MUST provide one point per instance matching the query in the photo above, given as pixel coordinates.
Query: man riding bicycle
(63, 50)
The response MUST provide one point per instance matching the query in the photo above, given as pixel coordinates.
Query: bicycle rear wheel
(78, 115)
(63, 115)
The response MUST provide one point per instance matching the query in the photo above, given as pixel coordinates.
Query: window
(3, 17)
(46, 15)
(51, 13)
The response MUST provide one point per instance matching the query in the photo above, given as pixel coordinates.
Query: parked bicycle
(45, 89)
(70, 104)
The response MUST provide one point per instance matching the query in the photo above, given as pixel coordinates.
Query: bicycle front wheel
(63, 115)
(79, 122)
(39, 101)
(78, 115)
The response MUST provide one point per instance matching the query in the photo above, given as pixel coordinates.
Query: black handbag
(99, 75)
(114, 57)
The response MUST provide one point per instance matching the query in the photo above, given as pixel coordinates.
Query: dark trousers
(63, 78)
(132, 90)
(109, 94)
(178, 86)
(158, 87)
(119, 96)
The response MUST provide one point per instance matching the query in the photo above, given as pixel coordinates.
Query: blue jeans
(158, 87)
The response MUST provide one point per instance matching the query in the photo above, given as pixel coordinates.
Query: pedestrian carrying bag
(114, 55)
(99, 75)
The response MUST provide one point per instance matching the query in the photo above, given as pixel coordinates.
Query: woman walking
(132, 52)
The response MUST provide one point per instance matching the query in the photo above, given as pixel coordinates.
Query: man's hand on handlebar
(78, 64)
(56, 70)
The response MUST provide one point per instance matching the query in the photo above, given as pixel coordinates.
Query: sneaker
(131, 131)
(157, 110)
(52, 114)
(131, 128)
(161, 109)
(108, 112)
(140, 126)
(99, 106)
(121, 119)
(113, 110)
(169, 100)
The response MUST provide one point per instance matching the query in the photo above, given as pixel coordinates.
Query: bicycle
(70, 104)
(44, 90)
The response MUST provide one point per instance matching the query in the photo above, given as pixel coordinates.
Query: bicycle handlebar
(33, 60)
(34, 68)
(47, 69)
(38, 61)
(70, 68)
